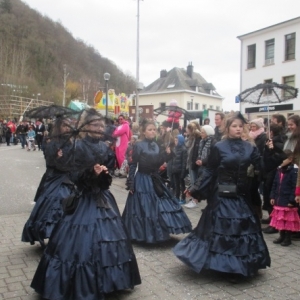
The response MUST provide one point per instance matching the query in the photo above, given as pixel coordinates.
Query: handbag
(227, 190)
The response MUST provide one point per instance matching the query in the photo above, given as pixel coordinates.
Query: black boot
(287, 239)
(269, 230)
(281, 237)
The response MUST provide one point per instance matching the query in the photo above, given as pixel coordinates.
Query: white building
(271, 54)
(191, 91)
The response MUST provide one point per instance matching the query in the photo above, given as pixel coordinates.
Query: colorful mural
(117, 104)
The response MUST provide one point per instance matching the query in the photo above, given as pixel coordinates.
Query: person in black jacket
(21, 133)
(8, 134)
(219, 122)
(179, 168)
(272, 157)
(257, 133)
(39, 130)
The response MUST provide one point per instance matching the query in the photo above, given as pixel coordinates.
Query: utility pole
(65, 85)
(137, 63)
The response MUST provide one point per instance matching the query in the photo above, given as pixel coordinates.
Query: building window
(133, 102)
(268, 91)
(196, 106)
(203, 106)
(251, 56)
(269, 52)
(290, 46)
(288, 80)
(189, 105)
(211, 107)
(217, 107)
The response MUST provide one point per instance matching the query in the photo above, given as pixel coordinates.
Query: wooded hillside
(33, 51)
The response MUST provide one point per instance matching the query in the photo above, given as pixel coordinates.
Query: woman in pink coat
(123, 135)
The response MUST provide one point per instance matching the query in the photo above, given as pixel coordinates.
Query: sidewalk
(163, 275)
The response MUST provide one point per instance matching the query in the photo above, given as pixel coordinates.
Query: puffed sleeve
(62, 163)
(51, 150)
(103, 180)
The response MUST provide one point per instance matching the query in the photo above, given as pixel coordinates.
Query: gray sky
(172, 33)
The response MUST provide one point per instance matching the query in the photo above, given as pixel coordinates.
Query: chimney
(190, 69)
(163, 73)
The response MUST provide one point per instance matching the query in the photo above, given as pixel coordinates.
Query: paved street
(163, 275)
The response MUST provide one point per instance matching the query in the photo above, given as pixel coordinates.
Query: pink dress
(284, 217)
(122, 133)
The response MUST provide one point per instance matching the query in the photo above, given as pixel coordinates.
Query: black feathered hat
(238, 115)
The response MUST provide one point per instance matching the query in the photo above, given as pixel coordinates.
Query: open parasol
(268, 93)
(51, 111)
(164, 110)
(85, 123)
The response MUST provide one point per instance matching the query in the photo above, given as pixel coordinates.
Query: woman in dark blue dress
(228, 236)
(55, 185)
(89, 253)
(151, 213)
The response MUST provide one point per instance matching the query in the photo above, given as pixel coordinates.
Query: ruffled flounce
(88, 254)
(47, 210)
(285, 218)
(198, 255)
(227, 239)
(151, 219)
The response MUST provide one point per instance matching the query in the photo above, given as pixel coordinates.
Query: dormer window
(170, 86)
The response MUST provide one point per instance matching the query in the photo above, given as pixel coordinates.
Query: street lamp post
(106, 78)
(65, 84)
(138, 84)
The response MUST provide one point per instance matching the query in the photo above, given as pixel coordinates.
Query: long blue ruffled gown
(228, 237)
(150, 217)
(55, 185)
(89, 253)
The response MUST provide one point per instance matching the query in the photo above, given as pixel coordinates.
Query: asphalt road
(21, 172)
(20, 175)
(164, 277)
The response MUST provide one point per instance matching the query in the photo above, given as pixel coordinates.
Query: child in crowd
(285, 216)
(179, 168)
(173, 115)
(30, 139)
